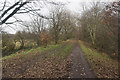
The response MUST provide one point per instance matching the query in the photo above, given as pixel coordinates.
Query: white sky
(74, 6)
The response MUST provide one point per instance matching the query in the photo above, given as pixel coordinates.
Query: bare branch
(3, 6)
(13, 22)
(28, 11)
(9, 9)
(14, 11)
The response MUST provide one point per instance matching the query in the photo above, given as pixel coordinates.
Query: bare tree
(68, 24)
(56, 21)
(91, 17)
(35, 27)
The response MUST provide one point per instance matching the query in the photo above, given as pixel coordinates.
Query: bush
(8, 49)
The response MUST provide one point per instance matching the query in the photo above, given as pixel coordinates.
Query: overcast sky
(74, 6)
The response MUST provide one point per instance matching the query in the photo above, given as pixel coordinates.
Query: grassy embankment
(102, 65)
(62, 52)
(24, 52)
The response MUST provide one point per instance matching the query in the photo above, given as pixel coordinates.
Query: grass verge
(22, 53)
(63, 52)
(102, 65)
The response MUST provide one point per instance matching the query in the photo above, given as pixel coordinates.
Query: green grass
(89, 52)
(22, 53)
(66, 51)
(102, 65)
(63, 52)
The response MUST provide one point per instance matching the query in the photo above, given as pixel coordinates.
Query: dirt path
(80, 68)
